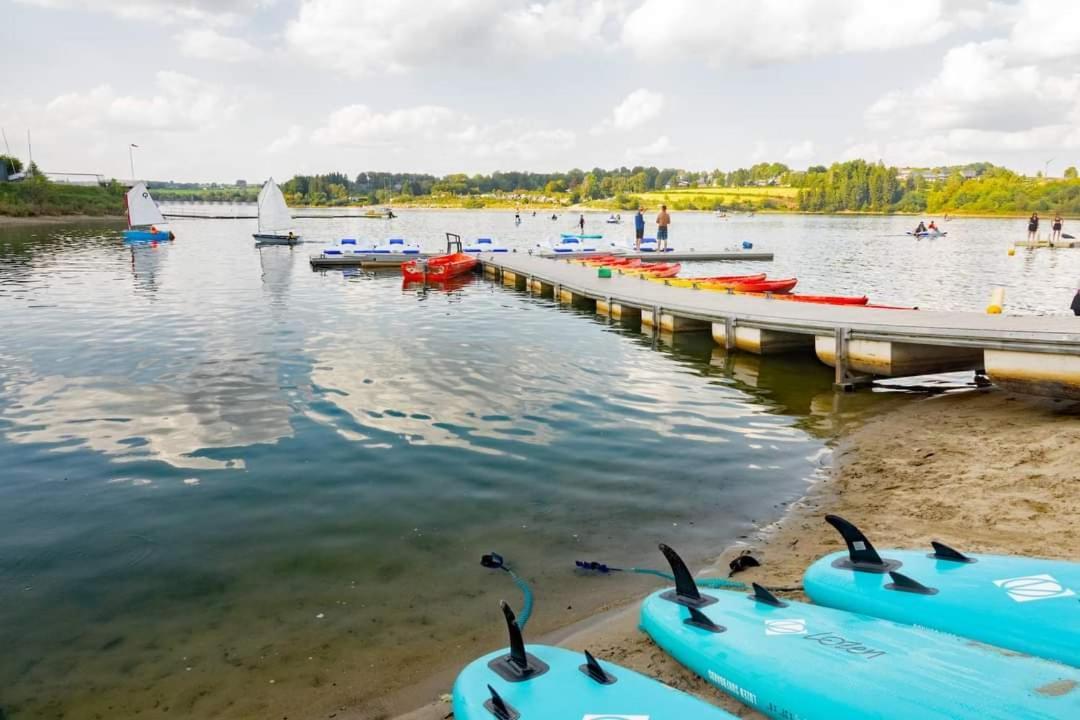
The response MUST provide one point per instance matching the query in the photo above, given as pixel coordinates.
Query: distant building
(241, 183)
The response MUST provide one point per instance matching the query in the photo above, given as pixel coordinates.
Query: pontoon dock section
(1039, 355)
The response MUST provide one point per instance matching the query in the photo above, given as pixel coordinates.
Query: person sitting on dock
(639, 228)
(1055, 236)
(1033, 227)
(662, 221)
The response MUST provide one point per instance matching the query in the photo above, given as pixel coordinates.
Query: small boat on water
(570, 244)
(438, 268)
(929, 233)
(393, 246)
(614, 220)
(486, 245)
(275, 220)
(145, 221)
(384, 214)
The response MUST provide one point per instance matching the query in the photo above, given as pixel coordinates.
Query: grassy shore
(39, 197)
(984, 471)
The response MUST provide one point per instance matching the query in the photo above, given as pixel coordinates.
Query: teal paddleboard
(1020, 603)
(795, 660)
(539, 682)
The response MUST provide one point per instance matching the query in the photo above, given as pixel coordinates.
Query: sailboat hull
(270, 239)
(147, 235)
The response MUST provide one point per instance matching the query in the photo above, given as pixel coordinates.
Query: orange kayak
(819, 299)
(651, 269)
(438, 268)
(729, 278)
(755, 286)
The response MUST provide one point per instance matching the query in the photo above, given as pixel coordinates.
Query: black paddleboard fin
(903, 583)
(686, 590)
(861, 553)
(498, 707)
(701, 621)
(519, 664)
(762, 595)
(594, 671)
(944, 552)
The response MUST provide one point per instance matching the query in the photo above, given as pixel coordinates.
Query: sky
(219, 90)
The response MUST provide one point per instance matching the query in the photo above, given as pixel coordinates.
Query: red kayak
(662, 270)
(730, 278)
(819, 299)
(438, 268)
(757, 286)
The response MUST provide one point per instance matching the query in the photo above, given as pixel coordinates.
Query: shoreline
(982, 470)
(20, 220)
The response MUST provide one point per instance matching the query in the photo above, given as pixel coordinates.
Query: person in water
(662, 222)
(921, 228)
(554, 216)
(1033, 227)
(581, 224)
(639, 228)
(517, 217)
(931, 227)
(1076, 303)
(1056, 227)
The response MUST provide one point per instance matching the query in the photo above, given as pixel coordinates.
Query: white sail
(142, 210)
(274, 215)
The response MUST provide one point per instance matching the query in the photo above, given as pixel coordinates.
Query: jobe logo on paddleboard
(1034, 587)
(789, 626)
(838, 642)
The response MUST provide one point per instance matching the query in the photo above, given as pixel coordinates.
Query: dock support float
(758, 340)
(656, 317)
(845, 380)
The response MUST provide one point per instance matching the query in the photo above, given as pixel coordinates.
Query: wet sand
(984, 471)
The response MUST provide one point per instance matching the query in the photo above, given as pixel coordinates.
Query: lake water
(235, 487)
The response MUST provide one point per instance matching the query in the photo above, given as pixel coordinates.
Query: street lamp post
(131, 159)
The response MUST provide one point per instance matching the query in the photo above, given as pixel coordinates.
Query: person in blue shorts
(639, 228)
(662, 222)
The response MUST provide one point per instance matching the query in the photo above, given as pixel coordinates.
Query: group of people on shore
(1055, 228)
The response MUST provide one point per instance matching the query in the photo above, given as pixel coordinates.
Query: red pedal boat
(438, 268)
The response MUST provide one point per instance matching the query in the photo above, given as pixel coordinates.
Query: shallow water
(235, 487)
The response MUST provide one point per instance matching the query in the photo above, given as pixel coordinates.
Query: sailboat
(275, 220)
(145, 221)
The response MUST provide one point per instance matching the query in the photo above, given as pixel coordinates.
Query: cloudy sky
(226, 89)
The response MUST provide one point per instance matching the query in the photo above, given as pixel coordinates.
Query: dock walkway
(1025, 353)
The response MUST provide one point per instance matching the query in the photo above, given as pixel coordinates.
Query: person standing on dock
(1033, 227)
(581, 223)
(662, 221)
(1055, 236)
(639, 228)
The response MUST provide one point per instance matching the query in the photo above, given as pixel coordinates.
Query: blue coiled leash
(495, 561)
(604, 569)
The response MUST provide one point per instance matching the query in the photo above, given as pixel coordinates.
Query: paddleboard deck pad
(558, 684)
(1024, 604)
(795, 660)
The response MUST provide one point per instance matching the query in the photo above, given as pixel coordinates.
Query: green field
(38, 196)
(723, 198)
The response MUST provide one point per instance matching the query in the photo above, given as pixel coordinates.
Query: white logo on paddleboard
(1034, 587)
(615, 717)
(791, 626)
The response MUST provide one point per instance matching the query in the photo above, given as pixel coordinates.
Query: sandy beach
(985, 471)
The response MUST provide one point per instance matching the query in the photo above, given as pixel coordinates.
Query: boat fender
(997, 301)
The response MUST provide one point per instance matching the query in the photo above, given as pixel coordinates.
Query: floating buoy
(997, 301)
(1012, 250)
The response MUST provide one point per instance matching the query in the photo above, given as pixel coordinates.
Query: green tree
(13, 163)
(1070, 172)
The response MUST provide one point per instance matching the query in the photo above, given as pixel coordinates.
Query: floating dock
(673, 256)
(1038, 355)
(366, 260)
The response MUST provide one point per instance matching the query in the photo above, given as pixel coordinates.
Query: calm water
(235, 487)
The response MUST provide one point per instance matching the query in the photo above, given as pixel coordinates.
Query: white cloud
(180, 103)
(287, 141)
(220, 12)
(209, 44)
(399, 35)
(636, 109)
(530, 145)
(779, 30)
(657, 147)
(359, 125)
(800, 152)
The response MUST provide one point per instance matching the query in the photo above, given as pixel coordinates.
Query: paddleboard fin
(594, 671)
(686, 591)
(861, 553)
(518, 665)
(701, 621)
(498, 707)
(762, 595)
(903, 583)
(944, 552)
